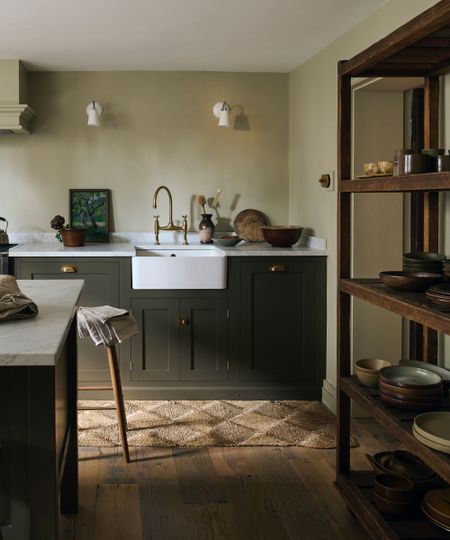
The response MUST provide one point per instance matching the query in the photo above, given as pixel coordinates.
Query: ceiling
(191, 35)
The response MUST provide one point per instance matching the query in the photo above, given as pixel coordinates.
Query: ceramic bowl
(367, 370)
(409, 281)
(386, 167)
(409, 405)
(371, 168)
(411, 392)
(434, 426)
(282, 236)
(394, 487)
(390, 507)
(410, 377)
(226, 240)
(429, 256)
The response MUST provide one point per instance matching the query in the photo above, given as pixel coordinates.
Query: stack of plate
(423, 261)
(433, 430)
(446, 265)
(439, 294)
(436, 507)
(410, 388)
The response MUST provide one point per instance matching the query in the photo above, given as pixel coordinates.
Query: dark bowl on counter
(282, 236)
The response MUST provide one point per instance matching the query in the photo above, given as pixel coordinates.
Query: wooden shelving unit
(419, 48)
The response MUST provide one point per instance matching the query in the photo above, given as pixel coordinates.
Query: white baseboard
(329, 395)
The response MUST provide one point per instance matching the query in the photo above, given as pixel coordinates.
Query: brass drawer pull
(69, 268)
(183, 322)
(277, 268)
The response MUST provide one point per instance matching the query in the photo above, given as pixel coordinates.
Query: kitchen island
(38, 421)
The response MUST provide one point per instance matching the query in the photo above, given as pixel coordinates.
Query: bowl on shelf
(226, 240)
(410, 377)
(436, 506)
(282, 235)
(386, 167)
(367, 370)
(423, 261)
(394, 487)
(371, 168)
(391, 507)
(409, 281)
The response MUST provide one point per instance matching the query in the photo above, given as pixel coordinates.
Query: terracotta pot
(73, 237)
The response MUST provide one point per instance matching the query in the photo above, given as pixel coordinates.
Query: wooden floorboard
(245, 493)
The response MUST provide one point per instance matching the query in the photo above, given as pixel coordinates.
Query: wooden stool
(118, 398)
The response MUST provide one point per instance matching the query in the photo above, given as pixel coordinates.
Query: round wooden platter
(248, 223)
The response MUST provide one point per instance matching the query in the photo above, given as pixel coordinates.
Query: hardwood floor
(243, 493)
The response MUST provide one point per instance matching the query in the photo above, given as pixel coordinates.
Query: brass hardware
(277, 268)
(325, 180)
(69, 268)
(183, 322)
(171, 225)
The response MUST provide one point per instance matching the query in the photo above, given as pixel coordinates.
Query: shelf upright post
(431, 199)
(344, 268)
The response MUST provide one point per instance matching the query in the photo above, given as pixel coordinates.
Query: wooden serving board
(248, 223)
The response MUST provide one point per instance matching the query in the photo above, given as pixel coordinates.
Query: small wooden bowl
(281, 236)
(409, 281)
(394, 487)
(390, 507)
(73, 237)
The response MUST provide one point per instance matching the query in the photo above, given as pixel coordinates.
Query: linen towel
(106, 325)
(13, 303)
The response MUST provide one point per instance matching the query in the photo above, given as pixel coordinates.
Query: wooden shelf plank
(357, 490)
(398, 423)
(411, 182)
(413, 306)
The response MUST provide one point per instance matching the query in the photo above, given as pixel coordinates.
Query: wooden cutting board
(248, 223)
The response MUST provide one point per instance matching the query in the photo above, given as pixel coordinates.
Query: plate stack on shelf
(446, 265)
(410, 388)
(436, 507)
(423, 261)
(433, 430)
(439, 294)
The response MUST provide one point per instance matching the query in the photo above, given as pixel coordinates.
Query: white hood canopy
(15, 115)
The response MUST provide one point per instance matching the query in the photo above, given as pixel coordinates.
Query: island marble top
(39, 341)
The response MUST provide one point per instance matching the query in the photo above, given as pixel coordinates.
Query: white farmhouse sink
(178, 267)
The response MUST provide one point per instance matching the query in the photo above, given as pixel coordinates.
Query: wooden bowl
(282, 236)
(367, 370)
(73, 237)
(402, 463)
(409, 281)
(394, 487)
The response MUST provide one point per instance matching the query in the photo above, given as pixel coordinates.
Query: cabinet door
(101, 286)
(155, 351)
(278, 325)
(204, 339)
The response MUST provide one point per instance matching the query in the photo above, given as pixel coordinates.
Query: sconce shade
(221, 111)
(94, 111)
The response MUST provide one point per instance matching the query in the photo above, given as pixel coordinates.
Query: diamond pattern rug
(211, 423)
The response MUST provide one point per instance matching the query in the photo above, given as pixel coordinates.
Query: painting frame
(90, 209)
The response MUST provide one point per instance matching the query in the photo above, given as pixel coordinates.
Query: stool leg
(118, 398)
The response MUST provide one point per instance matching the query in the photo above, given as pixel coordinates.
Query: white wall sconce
(221, 111)
(94, 111)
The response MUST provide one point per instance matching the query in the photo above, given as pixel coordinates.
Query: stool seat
(107, 325)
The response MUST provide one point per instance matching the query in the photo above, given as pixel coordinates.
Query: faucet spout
(155, 199)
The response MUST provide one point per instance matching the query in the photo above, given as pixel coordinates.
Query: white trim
(329, 395)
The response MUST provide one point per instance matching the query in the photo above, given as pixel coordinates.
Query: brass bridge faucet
(170, 226)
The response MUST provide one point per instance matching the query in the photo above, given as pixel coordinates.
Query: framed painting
(89, 208)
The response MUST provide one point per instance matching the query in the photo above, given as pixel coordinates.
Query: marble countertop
(127, 249)
(39, 341)
(57, 249)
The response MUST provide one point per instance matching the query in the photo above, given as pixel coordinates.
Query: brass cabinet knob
(325, 180)
(69, 268)
(183, 322)
(277, 268)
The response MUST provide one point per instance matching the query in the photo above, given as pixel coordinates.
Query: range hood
(15, 115)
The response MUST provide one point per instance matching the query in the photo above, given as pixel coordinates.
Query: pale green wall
(313, 138)
(159, 129)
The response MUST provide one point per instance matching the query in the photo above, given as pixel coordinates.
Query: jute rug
(211, 423)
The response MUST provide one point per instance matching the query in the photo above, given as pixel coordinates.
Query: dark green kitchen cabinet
(181, 339)
(281, 333)
(101, 286)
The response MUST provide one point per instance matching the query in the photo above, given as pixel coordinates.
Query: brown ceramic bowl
(410, 392)
(390, 507)
(394, 487)
(73, 237)
(412, 398)
(282, 236)
(409, 281)
(409, 405)
(411, 377)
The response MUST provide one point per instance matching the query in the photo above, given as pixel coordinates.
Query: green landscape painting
(89, 208)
